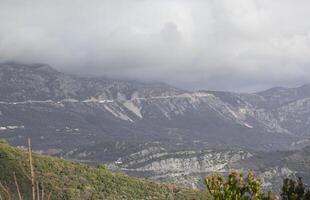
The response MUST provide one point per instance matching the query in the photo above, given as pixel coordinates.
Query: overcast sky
(240, 45)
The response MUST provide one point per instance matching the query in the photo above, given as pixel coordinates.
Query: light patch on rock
(69, 100)
(299, 142)
(15, 127)
(248, 125)
(133, 108)
(118, 114)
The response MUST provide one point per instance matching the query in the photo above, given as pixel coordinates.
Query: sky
(239, 45)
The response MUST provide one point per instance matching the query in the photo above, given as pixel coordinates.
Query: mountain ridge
(102, 121)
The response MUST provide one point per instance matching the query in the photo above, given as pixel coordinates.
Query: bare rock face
(151, 129)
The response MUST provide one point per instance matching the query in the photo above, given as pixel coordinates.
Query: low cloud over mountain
(222, 44)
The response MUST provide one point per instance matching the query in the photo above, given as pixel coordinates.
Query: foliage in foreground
(69, 180)
(294, 190)
(236, 187)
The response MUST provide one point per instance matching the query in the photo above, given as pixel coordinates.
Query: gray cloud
(214, 44)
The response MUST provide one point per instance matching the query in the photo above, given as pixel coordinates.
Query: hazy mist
(240, 45)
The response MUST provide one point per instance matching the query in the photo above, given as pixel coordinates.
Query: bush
(294, 190)
(236, 187)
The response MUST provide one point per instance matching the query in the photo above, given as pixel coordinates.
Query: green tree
(294, 190)
(236, 187)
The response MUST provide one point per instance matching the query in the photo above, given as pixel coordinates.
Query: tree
(294, 190)
(235, 187)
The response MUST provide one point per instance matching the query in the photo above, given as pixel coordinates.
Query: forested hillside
(61, 179)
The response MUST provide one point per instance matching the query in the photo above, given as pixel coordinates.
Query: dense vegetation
(69, 180)
(295, 190)
(236, 187)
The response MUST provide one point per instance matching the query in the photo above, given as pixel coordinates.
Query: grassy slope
(70, 180)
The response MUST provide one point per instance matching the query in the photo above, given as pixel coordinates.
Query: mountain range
(155, 130)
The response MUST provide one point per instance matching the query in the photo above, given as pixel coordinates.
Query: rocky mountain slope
(99, 120)
(189, 167)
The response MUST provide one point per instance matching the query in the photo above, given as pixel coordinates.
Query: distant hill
(69, 180)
